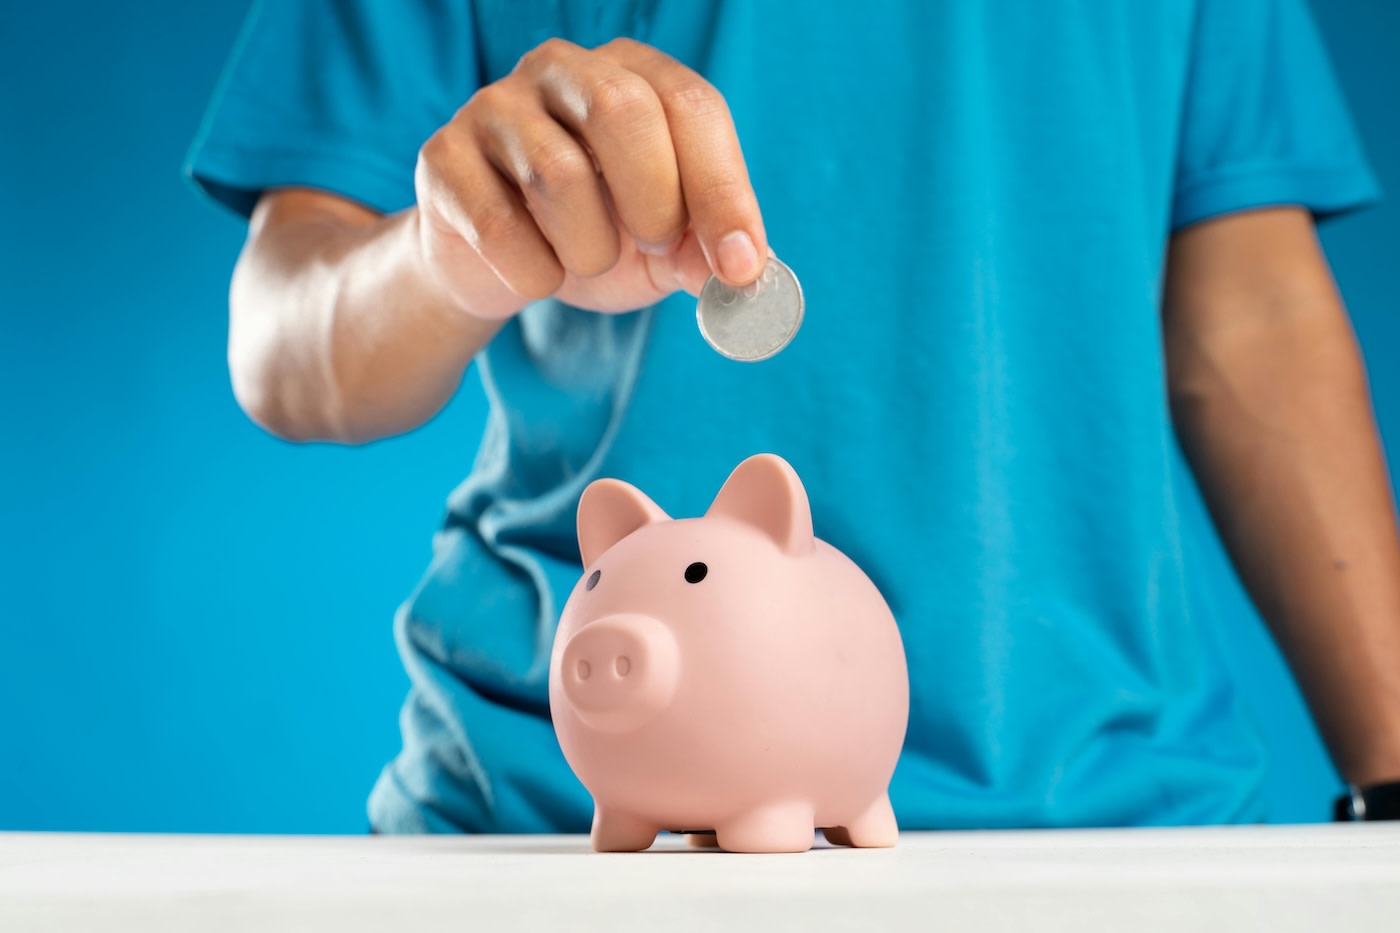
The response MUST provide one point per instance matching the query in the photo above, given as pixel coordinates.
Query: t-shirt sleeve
(334, 94)
(1264, 121)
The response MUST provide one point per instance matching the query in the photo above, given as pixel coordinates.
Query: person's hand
(608, 178)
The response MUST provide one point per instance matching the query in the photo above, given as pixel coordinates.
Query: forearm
(1274, 414)
(337, 332)
(607, 178)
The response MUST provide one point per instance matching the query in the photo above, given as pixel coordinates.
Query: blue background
(194, 616)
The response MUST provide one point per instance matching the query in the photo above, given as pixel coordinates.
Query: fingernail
(737, 257)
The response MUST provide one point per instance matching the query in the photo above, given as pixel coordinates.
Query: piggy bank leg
(614, 831)
(777, 827)
(873, 829)
(701, 841)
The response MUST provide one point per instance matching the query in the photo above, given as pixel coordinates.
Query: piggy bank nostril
(615, 673)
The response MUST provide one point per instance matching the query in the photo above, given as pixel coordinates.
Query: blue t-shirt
(977, 198)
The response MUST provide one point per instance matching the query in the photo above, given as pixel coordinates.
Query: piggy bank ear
(764, 491)
(609, 511)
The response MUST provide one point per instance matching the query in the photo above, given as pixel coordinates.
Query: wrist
(1372, 755)
(457, 280)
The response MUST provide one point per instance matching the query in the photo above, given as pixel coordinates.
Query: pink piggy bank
(729, 674)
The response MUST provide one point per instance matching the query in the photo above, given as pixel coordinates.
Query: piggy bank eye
(696, 572)
(593, 579)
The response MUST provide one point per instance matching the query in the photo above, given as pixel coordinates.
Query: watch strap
(1377, 802)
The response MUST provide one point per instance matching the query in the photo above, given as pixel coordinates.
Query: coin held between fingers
(753, 322)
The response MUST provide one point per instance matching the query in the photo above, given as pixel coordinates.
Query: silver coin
(756, 321)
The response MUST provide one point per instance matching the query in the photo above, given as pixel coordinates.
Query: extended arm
(609, 178)
(1271, 404)
(337, 331)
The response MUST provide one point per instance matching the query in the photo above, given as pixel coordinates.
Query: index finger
(714, 179)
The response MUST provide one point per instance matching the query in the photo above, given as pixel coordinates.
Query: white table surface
(1316, 878)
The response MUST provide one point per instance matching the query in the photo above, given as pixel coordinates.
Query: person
(1067, 322)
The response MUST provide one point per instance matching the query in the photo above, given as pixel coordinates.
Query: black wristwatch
(1377, 802)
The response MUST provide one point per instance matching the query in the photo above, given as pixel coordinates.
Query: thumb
(682, 267)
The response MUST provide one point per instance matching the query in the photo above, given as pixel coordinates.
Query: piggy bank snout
(619, 671)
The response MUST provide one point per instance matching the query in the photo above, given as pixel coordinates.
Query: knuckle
(694, 96)
(553, 47)
(439, 149)
(488, 99)
(437, 172)
(545, 54)
(723, 190)
(625, 98)
(492, 222)
(554, 168)
(623, 48)
(721, 205)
